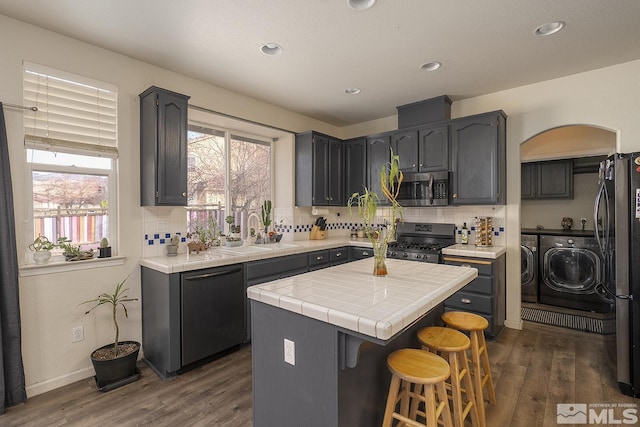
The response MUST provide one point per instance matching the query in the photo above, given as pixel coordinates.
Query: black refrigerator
(617, 219)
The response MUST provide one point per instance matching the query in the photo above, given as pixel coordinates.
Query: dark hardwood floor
(534, 369)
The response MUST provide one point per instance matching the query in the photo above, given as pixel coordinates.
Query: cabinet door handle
(365, 253)
(220, 273)
(455, 195)
(466, 265)
(319, 257)
(339, 254)
(184, 194)
(465, 300)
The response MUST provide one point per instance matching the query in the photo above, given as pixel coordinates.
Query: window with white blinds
(73, 111)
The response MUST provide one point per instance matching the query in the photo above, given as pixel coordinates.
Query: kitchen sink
(245, 250)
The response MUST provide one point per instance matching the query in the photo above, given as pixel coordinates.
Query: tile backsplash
(160, 223)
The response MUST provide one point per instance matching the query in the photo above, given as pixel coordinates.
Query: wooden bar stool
(409, 367)
(453, 346)
(481, 372)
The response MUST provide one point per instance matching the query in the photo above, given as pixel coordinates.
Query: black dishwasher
(212, 311)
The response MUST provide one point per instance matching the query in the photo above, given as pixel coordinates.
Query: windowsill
(64, 266)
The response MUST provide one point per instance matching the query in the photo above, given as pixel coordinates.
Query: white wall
(49, 304)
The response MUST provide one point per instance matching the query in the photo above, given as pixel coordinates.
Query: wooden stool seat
(481, 369)
(453, 345)
(423, 369)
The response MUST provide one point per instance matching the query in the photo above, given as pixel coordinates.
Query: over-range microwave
(425, 189)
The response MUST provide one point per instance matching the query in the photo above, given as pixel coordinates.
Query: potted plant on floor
(41, 248)
(115, 364)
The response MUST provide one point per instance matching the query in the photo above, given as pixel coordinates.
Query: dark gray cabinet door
(319, 170)
(405, 146)
(528, 180)
(555, 180)
(163, 148)
(355, 163)
(479, 159)
(433, 148)
(378, 154)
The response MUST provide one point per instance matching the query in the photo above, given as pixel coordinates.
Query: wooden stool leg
(391, 401)
(456, 393)
(471, 396)
(444, 409)
(487, 379)
(405, 397)
(477, 374)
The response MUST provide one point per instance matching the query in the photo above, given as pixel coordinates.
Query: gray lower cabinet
(356, 253)
(187, 317)
(484, 296)
(266, 270)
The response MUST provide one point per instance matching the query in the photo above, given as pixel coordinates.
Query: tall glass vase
(379, 258)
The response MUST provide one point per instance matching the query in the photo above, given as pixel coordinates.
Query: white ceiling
(484, 45)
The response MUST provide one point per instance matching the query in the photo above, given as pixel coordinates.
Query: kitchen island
(320, 339)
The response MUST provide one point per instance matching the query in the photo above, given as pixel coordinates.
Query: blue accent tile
(495, 233)
(167, 235)
(183, 239)
(502, 229)
(156, 236)
(146, 237)
(162, 241)
(150, 242)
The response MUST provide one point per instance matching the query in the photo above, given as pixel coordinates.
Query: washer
(570, 270)
(529, 267)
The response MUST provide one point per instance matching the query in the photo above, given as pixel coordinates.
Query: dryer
(571, 272)
(529, 267)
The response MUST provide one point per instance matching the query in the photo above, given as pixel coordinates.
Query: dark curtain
(12, 387)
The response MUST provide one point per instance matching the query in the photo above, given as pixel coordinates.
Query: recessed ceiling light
(430, 66)
(271, 49)
(352, 91)
(549, 28)
(360, 4)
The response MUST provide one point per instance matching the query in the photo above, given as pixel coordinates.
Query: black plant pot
(104, 252)
(116, 372)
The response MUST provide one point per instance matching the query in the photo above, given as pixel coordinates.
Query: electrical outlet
(290, 352)
(77, 334)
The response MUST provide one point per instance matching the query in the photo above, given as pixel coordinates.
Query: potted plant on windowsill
(390, 178)
(73, 252)
(115, 364)
(41, 248)
(104, 250)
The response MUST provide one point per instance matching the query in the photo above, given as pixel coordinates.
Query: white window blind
(75, 112)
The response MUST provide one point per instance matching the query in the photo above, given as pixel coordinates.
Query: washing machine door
(527, 265)
(572, 270)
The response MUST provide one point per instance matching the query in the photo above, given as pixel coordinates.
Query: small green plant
(104, 243)
(266, 214)
(205, 233)
(41, 243)
(67, 246)
(118, 298)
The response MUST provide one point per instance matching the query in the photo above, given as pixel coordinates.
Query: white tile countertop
(349, 296)
(459, 249)
(223, 255)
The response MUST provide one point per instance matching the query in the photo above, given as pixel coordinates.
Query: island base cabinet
(340, 378)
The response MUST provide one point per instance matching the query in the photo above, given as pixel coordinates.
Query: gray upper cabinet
(319, 170)
(547, 180)
(433, 148)
(378, 154)
(163, 148)
(405, 146)
(355, 165)
(478, 146)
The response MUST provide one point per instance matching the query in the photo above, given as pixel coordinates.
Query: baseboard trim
(53, 383)
(514, 324)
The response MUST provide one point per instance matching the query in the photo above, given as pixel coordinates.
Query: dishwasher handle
(216, 274)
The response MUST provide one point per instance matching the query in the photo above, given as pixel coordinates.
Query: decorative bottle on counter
(464, 237)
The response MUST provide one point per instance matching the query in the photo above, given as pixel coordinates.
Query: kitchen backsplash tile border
(296, 223)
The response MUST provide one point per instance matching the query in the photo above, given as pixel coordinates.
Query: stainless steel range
(423, 242)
